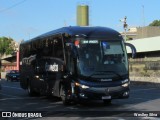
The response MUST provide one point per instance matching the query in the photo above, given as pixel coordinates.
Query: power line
(14, 5)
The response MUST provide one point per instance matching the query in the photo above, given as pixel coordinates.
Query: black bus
(76, 64)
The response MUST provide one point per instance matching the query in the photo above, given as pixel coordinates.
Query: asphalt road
(143, 100)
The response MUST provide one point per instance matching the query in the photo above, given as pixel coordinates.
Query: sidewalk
(148, 81)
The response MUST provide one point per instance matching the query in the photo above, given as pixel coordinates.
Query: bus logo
(51, 68)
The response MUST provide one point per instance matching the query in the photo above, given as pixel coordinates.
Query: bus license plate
(106, 97)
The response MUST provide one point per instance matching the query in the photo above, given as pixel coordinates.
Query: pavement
(148, 81)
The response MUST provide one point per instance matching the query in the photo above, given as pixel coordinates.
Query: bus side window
(58, 48)
(46, 51)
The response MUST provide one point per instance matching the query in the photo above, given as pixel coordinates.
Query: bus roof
(91, 32)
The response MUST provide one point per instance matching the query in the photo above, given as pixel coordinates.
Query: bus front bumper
(95, 93)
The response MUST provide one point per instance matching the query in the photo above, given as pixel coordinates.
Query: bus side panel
(23, 81)
(26, 75)
(23, 75)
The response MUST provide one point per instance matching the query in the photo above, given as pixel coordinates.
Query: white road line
(150, 118)
(9, 95)
(16, 97)
(12, 98)
(12, 87)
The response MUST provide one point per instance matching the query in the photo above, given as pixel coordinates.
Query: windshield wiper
(107, 72)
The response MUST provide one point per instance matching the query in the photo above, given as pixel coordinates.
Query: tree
(6, 45)
(155, 23)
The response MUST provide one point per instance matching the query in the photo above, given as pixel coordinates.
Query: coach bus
(76, 64)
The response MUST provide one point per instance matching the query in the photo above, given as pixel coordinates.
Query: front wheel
(63, 96)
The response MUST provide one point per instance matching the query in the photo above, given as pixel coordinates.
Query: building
(142, 32)
(9, 62)
(147, 48)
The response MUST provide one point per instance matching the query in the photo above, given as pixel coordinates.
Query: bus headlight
(125, 85)
(82, 86)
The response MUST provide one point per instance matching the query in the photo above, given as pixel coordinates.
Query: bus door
(40, 76)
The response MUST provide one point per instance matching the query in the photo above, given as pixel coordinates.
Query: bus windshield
(97, 58)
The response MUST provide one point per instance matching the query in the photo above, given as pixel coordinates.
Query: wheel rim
(29, 89)
(62, 94)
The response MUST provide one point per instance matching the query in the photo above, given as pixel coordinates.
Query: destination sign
(90, 41)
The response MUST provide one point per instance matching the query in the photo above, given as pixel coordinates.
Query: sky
(26, 19)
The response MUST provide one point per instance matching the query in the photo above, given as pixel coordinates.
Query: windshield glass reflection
(99, 58)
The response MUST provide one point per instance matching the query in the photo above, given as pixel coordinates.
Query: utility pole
(143, 21)
(125, 26)
(143, 16)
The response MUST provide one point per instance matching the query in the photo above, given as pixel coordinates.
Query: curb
(147, 81)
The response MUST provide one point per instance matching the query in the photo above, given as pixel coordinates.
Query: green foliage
(155, 23)
(6, 45)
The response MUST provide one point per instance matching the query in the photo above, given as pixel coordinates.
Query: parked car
(12, 75)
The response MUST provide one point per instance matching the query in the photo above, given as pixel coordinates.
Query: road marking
(12, 87)
(11, 98)
(150, 118)
(16, 97)
(9, 95)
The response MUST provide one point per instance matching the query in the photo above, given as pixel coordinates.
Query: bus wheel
(30, 90)
(107, 102)
(63, 96)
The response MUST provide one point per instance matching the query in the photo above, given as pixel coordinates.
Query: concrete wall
(148, 31)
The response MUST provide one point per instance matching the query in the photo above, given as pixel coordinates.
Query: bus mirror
(133, 49)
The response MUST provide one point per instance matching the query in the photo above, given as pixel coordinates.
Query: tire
(107, 102)
(64, 96)
(30, 90)
(48, 91)
(11, 80)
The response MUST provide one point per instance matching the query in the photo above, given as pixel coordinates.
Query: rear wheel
(63, 96)
(30, 90)
(49, 91)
